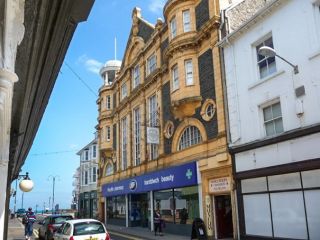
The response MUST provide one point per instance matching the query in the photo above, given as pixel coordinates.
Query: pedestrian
(30, 218)
(157, 223)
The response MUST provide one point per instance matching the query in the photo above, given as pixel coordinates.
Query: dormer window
(173, 26)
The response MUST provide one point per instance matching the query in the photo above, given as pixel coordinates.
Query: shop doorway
(139, 215)
(223, 211)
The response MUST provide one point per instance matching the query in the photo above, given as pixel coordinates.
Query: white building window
(94, 151)
(151, 64)
(86, 180)
(173, 26)
(124, 91)
(108, 134)
(108, 102)
(136, 76)
(189, 72)
(266, 65)
(109, 169)
(94, 174)
(137, 136)
(86, 155)
(124, 138)
(273, 119)
(153, 122)
(175, 78)
(186, 21)
(190, 136)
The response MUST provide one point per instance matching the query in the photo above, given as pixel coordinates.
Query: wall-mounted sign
(219, 185)
(174, 177)
(152, 135)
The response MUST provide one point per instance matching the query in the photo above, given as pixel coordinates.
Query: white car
(82, 229)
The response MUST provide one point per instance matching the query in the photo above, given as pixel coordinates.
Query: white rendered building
(274, 116)
(88, 177)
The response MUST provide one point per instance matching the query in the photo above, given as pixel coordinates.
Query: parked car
(82, 229)
(50, 225)
(21, 212)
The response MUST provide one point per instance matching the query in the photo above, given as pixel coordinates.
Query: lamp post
(270, 52)
(26, 185)
(53, 183)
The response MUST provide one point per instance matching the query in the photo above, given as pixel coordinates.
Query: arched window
(109, 169)
(190, 136)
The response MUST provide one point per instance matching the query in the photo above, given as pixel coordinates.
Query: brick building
(162, 132)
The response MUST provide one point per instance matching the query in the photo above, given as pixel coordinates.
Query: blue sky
(71, 115)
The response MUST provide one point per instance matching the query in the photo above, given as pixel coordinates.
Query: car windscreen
(87, 228)
(61, 219)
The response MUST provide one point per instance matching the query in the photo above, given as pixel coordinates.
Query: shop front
(174, 191)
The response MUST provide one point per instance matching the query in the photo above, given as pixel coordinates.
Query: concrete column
(7, 80)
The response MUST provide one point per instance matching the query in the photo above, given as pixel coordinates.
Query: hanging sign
(152, 135)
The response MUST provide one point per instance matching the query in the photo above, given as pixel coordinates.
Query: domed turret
(108, 71)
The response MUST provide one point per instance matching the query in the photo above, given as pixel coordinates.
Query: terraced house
(162, 133)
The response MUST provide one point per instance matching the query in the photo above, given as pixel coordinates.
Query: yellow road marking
(125, 236)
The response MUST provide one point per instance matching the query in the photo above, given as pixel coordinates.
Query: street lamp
(270, 52)
(53, 182)
(26, 185)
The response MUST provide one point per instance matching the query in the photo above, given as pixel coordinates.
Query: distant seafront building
(88, 178)
(76, 190)
(274, 116)
(162, 131)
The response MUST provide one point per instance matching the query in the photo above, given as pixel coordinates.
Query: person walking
(157, 223)
(30, 218)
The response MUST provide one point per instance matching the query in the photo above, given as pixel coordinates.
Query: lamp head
(267, 51)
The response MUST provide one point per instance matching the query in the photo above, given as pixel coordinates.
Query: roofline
(85, 147)
(251, 21)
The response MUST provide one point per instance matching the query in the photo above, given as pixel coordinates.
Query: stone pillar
(7, 80)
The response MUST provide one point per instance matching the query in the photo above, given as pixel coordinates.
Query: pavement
(140, 233)
(15, 229)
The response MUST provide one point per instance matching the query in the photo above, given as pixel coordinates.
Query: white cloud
(156, 6)
(91, 65)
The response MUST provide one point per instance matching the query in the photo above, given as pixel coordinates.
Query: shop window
(257, 215)
(190, 136)
(186, 21)
(116, 210)
(266, 65)
(273, 119)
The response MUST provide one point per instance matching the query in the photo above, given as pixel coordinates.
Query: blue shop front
(174, 191)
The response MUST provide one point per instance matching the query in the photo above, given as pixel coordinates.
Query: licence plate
(92, 239)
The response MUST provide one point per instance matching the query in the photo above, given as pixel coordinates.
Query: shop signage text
(179, 176)
(219, 185)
